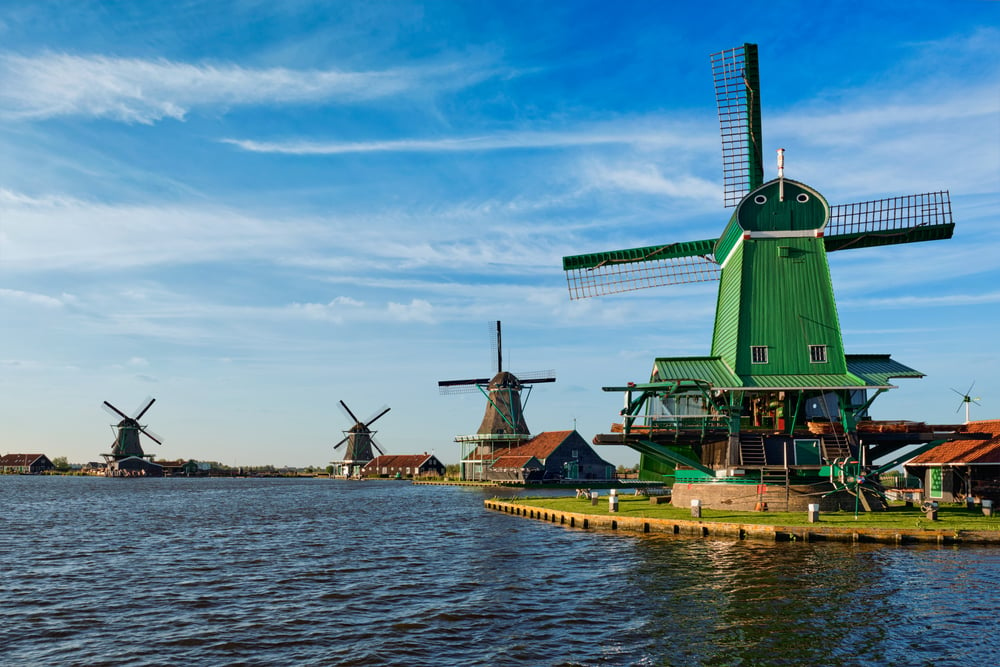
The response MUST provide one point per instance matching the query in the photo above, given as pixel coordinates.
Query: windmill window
(802, 198)
(817, 354)
(760, 199)
(758, 354)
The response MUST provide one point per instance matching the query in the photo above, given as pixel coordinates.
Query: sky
(251, 211)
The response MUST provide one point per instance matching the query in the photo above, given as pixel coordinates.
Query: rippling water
(103, 571)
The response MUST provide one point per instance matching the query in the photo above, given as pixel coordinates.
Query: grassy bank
(950, 517)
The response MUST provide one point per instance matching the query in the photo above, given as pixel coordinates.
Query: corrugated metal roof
(709, 369)
(815, 381)
(715, 371)
(877, 369)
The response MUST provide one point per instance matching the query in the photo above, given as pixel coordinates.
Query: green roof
(876, 369)
(866, 370)
(707, 369)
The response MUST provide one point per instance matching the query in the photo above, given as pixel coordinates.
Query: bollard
(696, 508)
(987, 507)
(594, 495)
(813, 512)
(613, 500)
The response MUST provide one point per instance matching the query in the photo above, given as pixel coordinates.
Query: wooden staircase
(752, 450)
(836, 446)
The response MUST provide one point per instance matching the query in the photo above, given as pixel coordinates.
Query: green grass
(950, 517)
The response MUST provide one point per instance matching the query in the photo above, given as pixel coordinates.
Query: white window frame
(817, 354)
(758, 354)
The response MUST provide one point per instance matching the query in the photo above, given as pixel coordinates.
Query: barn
(25, 464)
(404, 465)
(953, 471)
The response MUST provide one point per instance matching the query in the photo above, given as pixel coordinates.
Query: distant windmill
(360, 440)
(503, 422)
(967, 400)
(126, 444)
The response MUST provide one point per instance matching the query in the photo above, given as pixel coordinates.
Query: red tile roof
(542, 445)
(19, 459)
(516, 462)
(399, 460)
(966, 452)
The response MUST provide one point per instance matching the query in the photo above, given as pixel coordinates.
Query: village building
(562, 455)
(956, 470)
(404, 465)
(25, 464)
(133, 466)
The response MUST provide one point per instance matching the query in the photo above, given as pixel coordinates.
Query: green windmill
(778, 401)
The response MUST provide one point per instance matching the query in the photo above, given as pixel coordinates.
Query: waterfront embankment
(955, 525)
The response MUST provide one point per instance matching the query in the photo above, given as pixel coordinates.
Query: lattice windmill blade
(148, 402)
(535, 377)
(341, 443)
(347, 413)
(736, 73)
(377, 415)
(907, 219)
(451, 387)
(496, 346)
(376, 444)
(618, 271)
(113, 411)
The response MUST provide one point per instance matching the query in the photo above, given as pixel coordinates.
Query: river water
(101, 571)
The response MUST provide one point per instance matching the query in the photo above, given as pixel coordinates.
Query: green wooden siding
(775, 290)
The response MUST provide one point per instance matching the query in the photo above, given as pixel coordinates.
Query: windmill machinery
(127, 442)
(777, 350)
(967, 400)
(359, 440)
(503, 423)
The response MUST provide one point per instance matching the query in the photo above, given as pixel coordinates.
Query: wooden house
(564, 455)
(404, 465)
(25, 464)
(957, 469)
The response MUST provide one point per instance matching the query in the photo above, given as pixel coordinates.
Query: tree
(60, 463)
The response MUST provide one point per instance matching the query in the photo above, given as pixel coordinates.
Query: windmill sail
(618, 271)
(923, 217)
(737, 94)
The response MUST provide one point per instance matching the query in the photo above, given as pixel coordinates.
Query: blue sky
(252, 210)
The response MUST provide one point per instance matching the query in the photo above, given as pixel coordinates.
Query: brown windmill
(503, 424)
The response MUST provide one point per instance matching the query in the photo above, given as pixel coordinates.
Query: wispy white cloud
(904, 302)
(146, 91)
(650, 179)
(44, 233)
(30, 298)
(651, 133)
